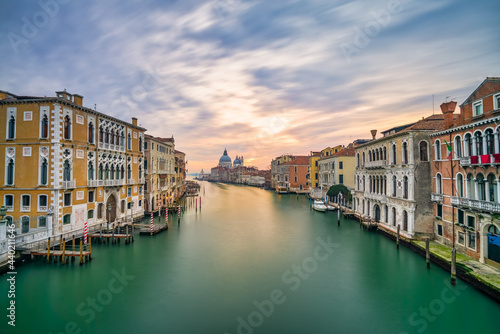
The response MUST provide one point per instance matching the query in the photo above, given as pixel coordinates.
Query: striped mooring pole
(179, 214)
(166, 217)
(85, 233)
(151, 223)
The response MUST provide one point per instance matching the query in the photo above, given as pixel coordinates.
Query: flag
(449, 150)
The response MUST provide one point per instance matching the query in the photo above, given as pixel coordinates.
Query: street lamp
(109, 214)
(3, 225)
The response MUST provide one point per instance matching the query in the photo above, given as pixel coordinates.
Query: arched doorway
(111, 204)
(493, 246)
(377, 213)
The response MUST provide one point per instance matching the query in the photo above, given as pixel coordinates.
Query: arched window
(106, 172)
(112, 137)
(393, 216)
(394, 186)
(112, 174)
(44, 172)
(11, 133)
(458, 147)
(405, 187)
(122, 139)
(385, 153)
(490, 141)
(101, 134)
(91, 132)
(117, 173)
(478, 137)
(129, 142)
(67, 171)
(423, 151)
(385, 185)
(394, 155)
(364, 185)
(140, 144)
(44, 126)
(67, 127)
(437, 149)
(123, 173)
(140, 172)
(100, 172)
(90, 171)
(370, 155)
(471, 193)
(10, 172)
(106, 136)
(363, 158)
(25, 224)
(405, 220)
(439, 184)
(129, 172)
(117, 138)
(405, 152)
(460, 185)
(468, 145)
(377, 155)
(481, 187)
(492, 188)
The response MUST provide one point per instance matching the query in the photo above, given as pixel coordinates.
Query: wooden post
(48, 252)
(397, 238)
(90, 249)
(100, 233)
(64, 251)
(113, 234)
(81, 251)
(427, 253)
(126, 233)
(132, 231)
(454, 266)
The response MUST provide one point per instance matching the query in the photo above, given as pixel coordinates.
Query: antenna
(95, 107)
(433, 104)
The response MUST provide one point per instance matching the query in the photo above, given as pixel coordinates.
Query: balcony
(476, 204)
(94, 183)
(112, 147)
(68, 184)
(375, 164)
(131, 181)
(142, 180)
(377, 197)
(480, 160)
(437, 197)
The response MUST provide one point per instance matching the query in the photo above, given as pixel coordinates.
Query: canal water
(250, 261)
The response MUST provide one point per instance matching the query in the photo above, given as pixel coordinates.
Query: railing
(94, 183)
(485, 159)
(25, 208)
(376, 164)
(9, 207)
(68, 184)
(436, 197)
(42, 208)
(476, 204)
(142, 180)
(131, 181)
(378, 197)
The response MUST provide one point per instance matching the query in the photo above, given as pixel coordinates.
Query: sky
(260, 78)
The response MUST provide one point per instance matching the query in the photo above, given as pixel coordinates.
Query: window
(439, 210)
(42, 202)
(42, 221)
(44, 127)
(341, 165)
(90, 214)
(67, 199)
(460, 215)
(25, 202)
(496, 101)
(477, 108)
(394, 154)
(129, 142)
(458, 147)
(405, 220)
(100, 210)
(67, 219)
(67, 127)
(437, 148)
(405, 187)
(461, 238)
(129, 172)
(67, 171)
(393, 216)
(10, 173)
(101, 135)
(363, 158)
(394, 185)
(405, 152)
(481, 187)
(91, 196)
(91, 133)
(460, 185)
(123, 206)
(140, 203)
(468, 145)
(90, 171)
(440, 230)
(44, 172)
(341, 179)
(423, 151)
(11, 130)
(490, 141)
(492, 189)
(140, 144)
(129, 205)
(129, 191)
(25, 224)
(295, 178)
(478, 137)
(439, 184)
(471, 239)
(9, 202)
(471, 222)
(145, 145)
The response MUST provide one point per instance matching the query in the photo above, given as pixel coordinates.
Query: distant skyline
(260, 78)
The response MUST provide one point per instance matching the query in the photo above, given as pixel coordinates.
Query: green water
(250, 262)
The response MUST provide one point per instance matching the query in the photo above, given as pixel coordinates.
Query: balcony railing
(476, 204)
(68, 184)
(112, 147)
(375, 164)
(25, 208)
(142, 180)
(94, 183)
(436, 197)
(42, 208)
(485, 159)
(131, 181)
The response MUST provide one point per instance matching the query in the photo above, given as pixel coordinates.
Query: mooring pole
(81, 252)
(397, 237)
(454, 266)
(64, 251)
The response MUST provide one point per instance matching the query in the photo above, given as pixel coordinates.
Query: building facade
(326, 167)
(393, 178)
(180, 174)
(159, 168)
(466, 187)
(293, 175)
(275, 163)
(66, 164)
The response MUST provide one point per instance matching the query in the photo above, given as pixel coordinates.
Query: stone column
(497, 146)
(410, 150)
(474, 147)
(487, 190)
(476, 188)
(485, 146)
(498, 190)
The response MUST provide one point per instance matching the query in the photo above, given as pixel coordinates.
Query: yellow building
(345, 165)
(159, 167)
(313, 170)
(66, 164)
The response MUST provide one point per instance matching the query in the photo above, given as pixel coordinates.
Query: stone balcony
(68, 184)
(480, 160)
(377, 197)
(375, 164)
(131, 181)
(94, 183)
(476, 204)
(437, 197)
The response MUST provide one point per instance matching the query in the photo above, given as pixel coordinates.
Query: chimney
(374, 133)
(447, 108)
(134, 121)
(78, 99)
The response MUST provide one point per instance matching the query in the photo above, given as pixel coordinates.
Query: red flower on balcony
(496, 157)
(474, 159)
(485, 159)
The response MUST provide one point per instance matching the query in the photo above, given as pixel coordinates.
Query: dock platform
(156, 229)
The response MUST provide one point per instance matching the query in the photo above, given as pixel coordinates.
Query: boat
(281, 190)
(330, 207)
(319, 206)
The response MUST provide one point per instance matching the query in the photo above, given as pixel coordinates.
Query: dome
(237, 161)
(225, 158)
